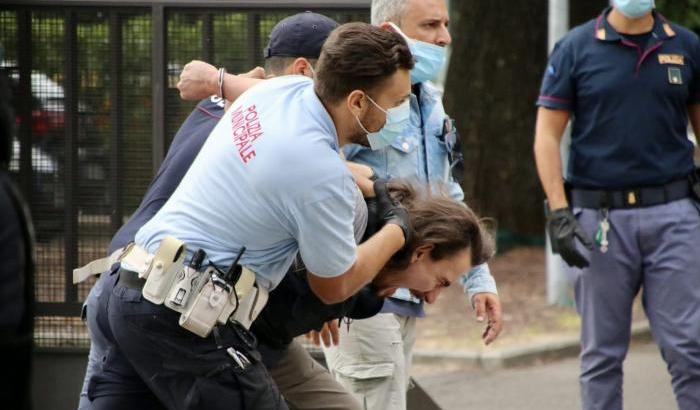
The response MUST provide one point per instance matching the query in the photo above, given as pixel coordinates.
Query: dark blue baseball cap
(300, 35)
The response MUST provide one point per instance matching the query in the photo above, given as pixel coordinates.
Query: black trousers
(162, 365)
(16, 297)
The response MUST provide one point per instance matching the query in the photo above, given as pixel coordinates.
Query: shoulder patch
(600, 34)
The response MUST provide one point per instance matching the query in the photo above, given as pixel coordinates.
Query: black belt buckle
(695, 183)
(632, 198)
(130, 279)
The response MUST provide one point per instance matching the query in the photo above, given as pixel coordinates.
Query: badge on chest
(675, 76)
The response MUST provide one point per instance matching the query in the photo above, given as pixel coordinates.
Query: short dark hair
(359, 56)
(276, 65)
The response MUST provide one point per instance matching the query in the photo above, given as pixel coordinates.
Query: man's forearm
(372, 256)
(550, 127)
(235, 85)
(199, 80)
(549, 170)
(694, 117)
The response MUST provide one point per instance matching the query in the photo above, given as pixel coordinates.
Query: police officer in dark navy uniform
(16, 274)
(628, 219)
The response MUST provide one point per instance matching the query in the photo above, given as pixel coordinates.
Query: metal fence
(96, 107)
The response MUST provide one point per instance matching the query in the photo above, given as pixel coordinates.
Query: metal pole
(116, 102)
(557, 283)
(558, 21)
(158, 85)
(254, 44)
(208, 37)
(24, 104)
(71, 86)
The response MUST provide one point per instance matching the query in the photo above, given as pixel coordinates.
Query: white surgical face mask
(396, 120)
(634, 8)
(429, 58)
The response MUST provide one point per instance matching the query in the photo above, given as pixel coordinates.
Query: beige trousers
(306, 385)
(373, 360)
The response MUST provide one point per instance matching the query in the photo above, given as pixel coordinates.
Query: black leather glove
(374, 222)
(390, 211)
(563, 230)
(695, 183)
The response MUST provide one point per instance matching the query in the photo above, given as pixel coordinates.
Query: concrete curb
(566, 346)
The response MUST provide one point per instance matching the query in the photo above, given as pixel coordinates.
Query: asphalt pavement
(554, 385)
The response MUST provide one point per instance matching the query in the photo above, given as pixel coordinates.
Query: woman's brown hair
(437, 219)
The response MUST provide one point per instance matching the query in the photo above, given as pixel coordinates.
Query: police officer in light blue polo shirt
(624, 214)
(266, 179)
(282, 57)
(269, 179)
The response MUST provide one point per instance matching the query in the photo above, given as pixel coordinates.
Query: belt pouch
(166, 264)
(202, 315)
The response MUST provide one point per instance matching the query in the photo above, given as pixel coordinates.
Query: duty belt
(630, 198)
(202, 296)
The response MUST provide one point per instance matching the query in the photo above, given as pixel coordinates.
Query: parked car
(48, 134)
(47, 196)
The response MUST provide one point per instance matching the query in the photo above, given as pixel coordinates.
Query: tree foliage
(683, 12)
(498, 53)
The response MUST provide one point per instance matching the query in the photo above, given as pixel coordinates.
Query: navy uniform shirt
(628, 102)
(185, 146)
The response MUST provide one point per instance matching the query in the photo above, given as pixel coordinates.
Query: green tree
(684, 12)
(498, 54)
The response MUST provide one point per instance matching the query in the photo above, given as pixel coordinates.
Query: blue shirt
(422, 152)
(269, 178)
(184, 148)
(629, 103)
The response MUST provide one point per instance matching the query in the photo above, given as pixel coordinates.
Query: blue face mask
(429, 58)
(634, 8)
(396, 120)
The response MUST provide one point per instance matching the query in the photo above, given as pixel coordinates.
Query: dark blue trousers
(655, 249)
(149, 361)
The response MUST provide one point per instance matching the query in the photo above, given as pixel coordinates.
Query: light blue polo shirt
(269, 178)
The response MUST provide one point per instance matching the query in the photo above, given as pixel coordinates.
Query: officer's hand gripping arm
(364, 177)
(391, 211)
